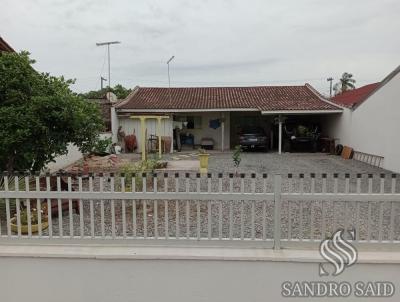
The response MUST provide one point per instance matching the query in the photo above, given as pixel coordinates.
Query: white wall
(72, 156)
(114, 125)
(65, 160)
(120, 280)
(374, 126)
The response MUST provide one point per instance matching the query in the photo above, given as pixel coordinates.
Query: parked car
(301, 137)
(252, 137)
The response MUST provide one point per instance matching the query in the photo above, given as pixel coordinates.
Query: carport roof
(259, 98)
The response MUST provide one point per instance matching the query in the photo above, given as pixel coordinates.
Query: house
(217, 113)
(4, 46)
(370, 122)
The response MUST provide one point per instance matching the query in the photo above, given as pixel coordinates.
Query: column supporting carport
(280, 134)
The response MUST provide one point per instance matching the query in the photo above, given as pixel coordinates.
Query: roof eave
(289, 112)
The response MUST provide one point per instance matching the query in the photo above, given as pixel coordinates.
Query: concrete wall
(65, 160)
(105, 279)
(374, 126)
(72, 156)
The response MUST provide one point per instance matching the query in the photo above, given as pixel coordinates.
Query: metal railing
(254, 210)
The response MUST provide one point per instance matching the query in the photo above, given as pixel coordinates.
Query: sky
(215, 42)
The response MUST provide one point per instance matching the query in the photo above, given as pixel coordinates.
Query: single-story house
(216, 113)
(4, 46)
(370, 122)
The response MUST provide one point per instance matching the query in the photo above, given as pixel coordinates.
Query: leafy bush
(102, 146)
(147, 166)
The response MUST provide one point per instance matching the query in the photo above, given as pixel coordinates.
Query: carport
(315, 116)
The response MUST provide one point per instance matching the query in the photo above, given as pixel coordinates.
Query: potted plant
(34, 221)
(203, 157)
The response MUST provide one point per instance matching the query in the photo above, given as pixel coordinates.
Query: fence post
(277, 210)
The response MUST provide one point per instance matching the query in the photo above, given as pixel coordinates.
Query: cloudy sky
(215, 42)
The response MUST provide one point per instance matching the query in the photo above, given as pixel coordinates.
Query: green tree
(40, 115)
(120, 91)
(345, 83)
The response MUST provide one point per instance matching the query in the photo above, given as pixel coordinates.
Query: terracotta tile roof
(353, 97)
(263, 98)
(4, 46)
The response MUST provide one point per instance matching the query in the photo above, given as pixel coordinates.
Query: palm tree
(345, 83)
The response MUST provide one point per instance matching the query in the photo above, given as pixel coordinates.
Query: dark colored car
(301, 137)
(252, 137)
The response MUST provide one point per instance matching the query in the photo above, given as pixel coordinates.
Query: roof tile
(263, 98)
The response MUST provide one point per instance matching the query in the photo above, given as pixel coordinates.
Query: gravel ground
(302, 213)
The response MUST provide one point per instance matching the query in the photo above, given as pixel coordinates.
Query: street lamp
(108, 49)
(169, 79)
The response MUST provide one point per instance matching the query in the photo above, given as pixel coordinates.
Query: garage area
(243, 123)
(299, 132)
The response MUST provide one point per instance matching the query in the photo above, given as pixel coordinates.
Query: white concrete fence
(253, 210)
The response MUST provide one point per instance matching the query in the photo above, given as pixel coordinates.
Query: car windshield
(252, 130)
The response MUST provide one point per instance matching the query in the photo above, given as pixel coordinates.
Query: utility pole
(108, 50)
(330, 79)
(169, 80)
(102, 80)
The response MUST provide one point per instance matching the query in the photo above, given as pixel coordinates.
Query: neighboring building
(353, 97)
(217, 113)
(370, 122)
(4, 46)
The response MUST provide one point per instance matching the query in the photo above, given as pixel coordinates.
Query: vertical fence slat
(155, 219)
(112, 189)
(49, 210)
(59, 209)
(144, 218)
(134, 219)
(220, 220)
(39, 207)
(8, 212)
(18, 206)
(187, 219)
(358, 190)
(166, 218)
(177, 222)
(335, 191)
(198, 221)
(209, 222)
(71, 217)
(28, 208)
(241, 220)
(81, 214)
(323, 208)
(382, 191)
(91, 207)
(277, 211)
(369, 208)
(102, 226)
(312, 210)
(123, 204)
